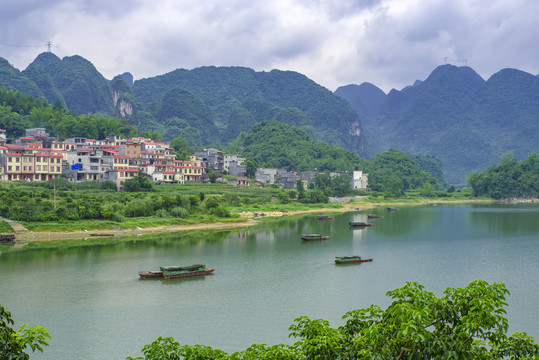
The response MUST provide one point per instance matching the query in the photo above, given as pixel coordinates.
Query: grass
(5, 227)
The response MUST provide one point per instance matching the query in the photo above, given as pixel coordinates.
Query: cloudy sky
(389, 43)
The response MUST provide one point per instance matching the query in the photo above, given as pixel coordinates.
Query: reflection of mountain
(507, 220)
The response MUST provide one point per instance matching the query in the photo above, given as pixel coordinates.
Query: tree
(212, 175)
(464, 323)
(250, 168)
(14, 343)
(181, 147)
(138, 183)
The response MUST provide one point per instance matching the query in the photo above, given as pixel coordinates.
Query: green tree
(13, 344)
(138, 183)
(212, 175)
(341, 185)
(181, 147)
(463, 323)
(250, 168)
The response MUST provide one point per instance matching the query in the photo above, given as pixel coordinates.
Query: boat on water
(359, 224)
(324, 217)
(101, 234)
(172, 272)
(373, 216)
(354, 259)
(392, 209)
(150, 274)
(313, 237)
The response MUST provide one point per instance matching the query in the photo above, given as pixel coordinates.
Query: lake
(94, 305)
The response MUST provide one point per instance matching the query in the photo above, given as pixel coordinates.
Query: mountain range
(453, 115)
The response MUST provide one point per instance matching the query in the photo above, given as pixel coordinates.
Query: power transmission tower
(49, 44)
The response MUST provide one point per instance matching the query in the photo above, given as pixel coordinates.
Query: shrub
(179, 212)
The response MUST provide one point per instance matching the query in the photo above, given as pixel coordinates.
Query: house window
(9, 159)
(30, 168)
(17, 159)
(38, 168)
(9, 168)
(57, 169)
(17, 168)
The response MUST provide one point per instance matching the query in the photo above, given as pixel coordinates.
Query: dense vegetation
(396, 172)
(239, 97)
(454, 115)
(19, 112)
(275, 144)
(509, 179)
(464, 323)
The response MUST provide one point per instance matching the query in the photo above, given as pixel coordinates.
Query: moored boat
(392, 209)
(7, 239)
(172, 272)
(313, 237)
(373, 216)
(101, 234)
(150, 274)
(324, 217)
(359, 224)
(350, 259)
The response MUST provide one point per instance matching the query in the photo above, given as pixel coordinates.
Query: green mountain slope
(226, 89)
(286, 146)
(12, 79)
(457, 117)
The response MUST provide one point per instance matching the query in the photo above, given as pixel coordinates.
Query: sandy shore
(246, 219)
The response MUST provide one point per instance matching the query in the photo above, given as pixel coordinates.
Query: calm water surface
(95, 307)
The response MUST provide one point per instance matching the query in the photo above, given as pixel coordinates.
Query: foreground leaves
(464, 323)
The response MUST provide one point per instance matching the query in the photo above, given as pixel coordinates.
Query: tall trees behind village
(19, 112)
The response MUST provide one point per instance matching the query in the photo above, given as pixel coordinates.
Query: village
(41, 157)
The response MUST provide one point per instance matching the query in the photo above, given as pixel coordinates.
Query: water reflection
(518, 218)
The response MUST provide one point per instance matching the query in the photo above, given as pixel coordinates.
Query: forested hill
(454, 115)
(207, 106)
(238, 97)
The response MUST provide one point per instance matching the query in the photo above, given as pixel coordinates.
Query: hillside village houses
(40, 157)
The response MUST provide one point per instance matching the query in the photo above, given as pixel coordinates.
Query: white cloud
(389, 43)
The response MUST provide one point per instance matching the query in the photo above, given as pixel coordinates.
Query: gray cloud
(390, 43)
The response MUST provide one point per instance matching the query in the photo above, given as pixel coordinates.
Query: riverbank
(246, 219)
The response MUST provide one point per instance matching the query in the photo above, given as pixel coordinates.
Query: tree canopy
(510, 178)
(463, 323)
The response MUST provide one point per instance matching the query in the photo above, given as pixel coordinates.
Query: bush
(162, 213)
(179, 212)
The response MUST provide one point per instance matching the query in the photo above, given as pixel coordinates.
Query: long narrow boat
(354, 259)
(324, 217)
(150, 274)
(392, 209)
(373, 216)
(359, 224)
(313, 237)
(172, 272)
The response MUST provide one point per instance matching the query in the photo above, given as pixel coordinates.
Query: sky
(389, 43)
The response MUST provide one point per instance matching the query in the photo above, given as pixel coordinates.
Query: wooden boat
(7, 239)
(392, 209)
(324, 217)
(359, 224)
(354, 259)
(150, 274)
(313, 237)
(373, 216)
(100, 234)
(172, 272)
